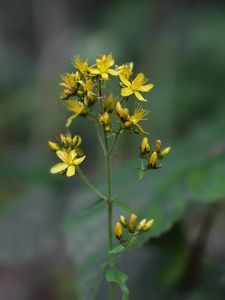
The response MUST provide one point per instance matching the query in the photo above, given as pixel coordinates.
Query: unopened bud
(142, 224)
(104, 118)
(132, 223)
(144, 147)
(118, 230)
(153, 159)
(53, 146)
(123, 220)
(158, 144)
(127, 124)
(77, 140)
(165, 152)
(149, 225)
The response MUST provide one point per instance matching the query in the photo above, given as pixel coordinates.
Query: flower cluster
(155, 155)
(69, 152)
(125, 230)
(82, 93)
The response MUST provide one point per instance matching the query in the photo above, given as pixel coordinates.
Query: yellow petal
(113, 72)
(70, 171)
(62, 155)
(58, 168)
(145, 88)
(94, 71)
(125, 92)
(139, 96)
(124, 80)
(73, 154)
(79, 160)
(105, 76)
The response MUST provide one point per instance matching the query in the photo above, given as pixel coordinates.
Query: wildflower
(148, 225)
(142, 224)
(104, 64)
(132, 222)
(70, 141)
(139, 114)
(135, 87)
(70, 84)
(53, 146)
(164, 152)
(89, 95)
(125, 70)
(69, 162)
(153, 160)
(144, 147)
(78, 108)
(118, 230)
(81, 65)
(123, 220)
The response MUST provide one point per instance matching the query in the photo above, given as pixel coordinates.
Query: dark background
(49, 249)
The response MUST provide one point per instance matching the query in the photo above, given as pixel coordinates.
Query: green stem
(100, 139)
(87, 182)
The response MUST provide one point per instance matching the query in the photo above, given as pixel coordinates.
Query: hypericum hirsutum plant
(87, 94)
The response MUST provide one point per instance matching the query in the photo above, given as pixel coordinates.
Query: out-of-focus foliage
(180, 46)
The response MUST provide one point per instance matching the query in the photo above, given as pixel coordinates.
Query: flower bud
(53, 146)
(144, 147)
(165, 152)
(127, 124)
(148, 225)
(77, 140)
(118, 230)
(158, 144)
(153, 159)
(142, 224)
(133, 220)
(104, 118)
(123, 220)
(107, 128)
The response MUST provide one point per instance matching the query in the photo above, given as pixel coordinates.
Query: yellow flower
(81, 65)
(69, 162)
(118, 230)
(69, 141)
(135, 87)
(125, 70)
(158, 144)
(104, 118)
(104, 64)
(123, 113)
(78, 108)
(109, 103)
(139, 114)
(70, 84)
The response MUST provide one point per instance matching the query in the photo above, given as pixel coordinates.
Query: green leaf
(114, 275)
(121, 205)
(117, 249)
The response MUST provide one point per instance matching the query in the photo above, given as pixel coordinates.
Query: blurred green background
(53, 242)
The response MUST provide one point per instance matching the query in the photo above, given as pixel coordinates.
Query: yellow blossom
(81, 65)
(78, 108)
(103, 67)
(70, 141)
(118, 230)
(125, 70)
(123, 113)
(139, 115)
(70, 84)
(104, 118)
(135, 87)
(69, 162)
(158, 144)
